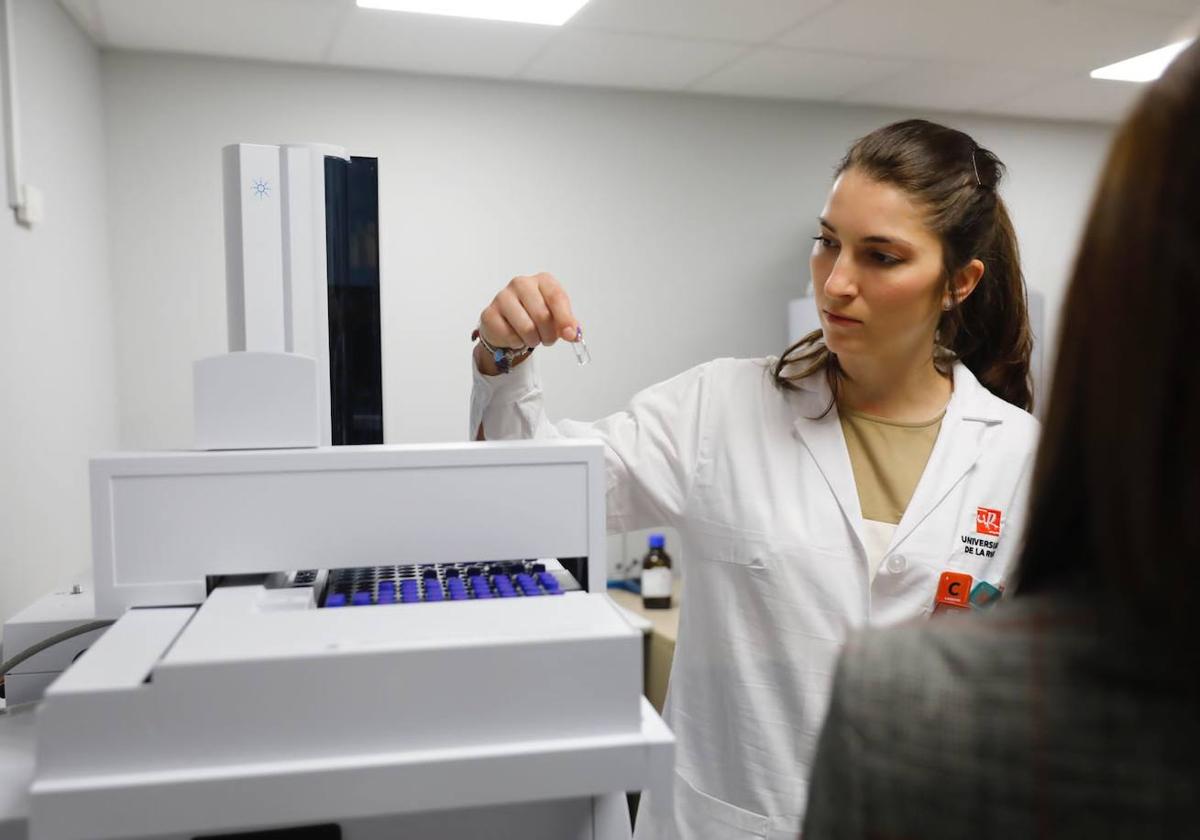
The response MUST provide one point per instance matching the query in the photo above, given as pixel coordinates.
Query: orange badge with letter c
(954, 590)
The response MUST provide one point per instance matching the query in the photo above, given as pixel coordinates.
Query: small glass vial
(582, 354)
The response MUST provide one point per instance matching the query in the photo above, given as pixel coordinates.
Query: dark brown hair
(1116, 491)
(954, 180)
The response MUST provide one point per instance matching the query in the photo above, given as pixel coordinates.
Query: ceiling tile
(634, 61)
(944, 86)
(434, 44)
(798, 74)
(280, 30)
(1024, 33)
(743, 21)
(1022, 57)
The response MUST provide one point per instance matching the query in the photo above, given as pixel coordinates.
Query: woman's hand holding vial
(529, 311)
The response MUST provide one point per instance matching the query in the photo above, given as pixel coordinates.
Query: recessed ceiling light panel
(1142, 68)
(544, 12)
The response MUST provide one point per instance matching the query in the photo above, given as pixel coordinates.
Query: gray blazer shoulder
(1036, 719)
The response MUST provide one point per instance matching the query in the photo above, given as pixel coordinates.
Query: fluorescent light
(1142, 68)
(545, 12)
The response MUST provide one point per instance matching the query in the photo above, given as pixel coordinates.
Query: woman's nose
(840, 282)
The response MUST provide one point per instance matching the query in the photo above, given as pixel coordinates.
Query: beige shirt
(888, 458)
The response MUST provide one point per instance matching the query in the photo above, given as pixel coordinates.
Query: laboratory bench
(660, 628)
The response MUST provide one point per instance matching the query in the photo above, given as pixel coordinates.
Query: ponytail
(989, 332)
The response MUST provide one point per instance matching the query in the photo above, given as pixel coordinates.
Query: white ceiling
(1019, 57)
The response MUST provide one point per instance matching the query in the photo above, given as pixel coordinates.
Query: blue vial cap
(657, 541)
(361, 598)
(336, 599)
(550, 582)
(386, 595)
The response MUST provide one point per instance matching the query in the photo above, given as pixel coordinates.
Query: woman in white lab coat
(823, 490)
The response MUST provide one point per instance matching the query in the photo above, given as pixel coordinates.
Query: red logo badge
(987, 521)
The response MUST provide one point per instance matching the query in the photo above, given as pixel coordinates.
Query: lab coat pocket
(701, 815)
(732, 547)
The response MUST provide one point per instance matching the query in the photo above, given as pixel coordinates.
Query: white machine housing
(163, 523)
(271, 390)
(251, 712)
(251, 706)
(49, 615)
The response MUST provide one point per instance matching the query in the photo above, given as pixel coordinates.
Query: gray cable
(34, 650)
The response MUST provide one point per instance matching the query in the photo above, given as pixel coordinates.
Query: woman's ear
(963, 283)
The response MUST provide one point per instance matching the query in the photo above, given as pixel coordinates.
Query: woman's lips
(841, 320)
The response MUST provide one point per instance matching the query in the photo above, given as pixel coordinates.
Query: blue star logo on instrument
(261, 188)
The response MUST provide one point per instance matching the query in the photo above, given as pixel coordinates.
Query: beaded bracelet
(504, 357)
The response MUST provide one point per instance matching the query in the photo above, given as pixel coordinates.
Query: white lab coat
(761, 491)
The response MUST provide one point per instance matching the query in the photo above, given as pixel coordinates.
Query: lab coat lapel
(959, 446)
(825, 442)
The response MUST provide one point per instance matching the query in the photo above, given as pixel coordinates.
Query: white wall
(57, 371)
(678, 223)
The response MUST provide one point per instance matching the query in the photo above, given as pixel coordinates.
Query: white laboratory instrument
(330, 642)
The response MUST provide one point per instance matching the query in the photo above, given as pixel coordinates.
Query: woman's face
(876, 271)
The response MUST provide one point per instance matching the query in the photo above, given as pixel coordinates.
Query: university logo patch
(987, 521)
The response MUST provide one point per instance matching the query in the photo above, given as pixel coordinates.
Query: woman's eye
(885, 259)
(824, 241)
